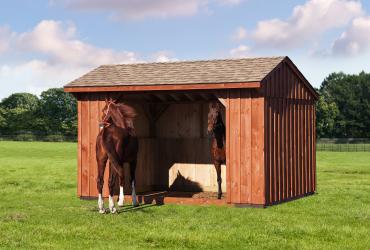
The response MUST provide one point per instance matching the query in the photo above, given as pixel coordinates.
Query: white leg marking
(134, 199)
(121, 198)
(111, 205)
(101, 204)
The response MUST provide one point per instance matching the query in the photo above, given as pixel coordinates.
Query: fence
(37, 137)
(343, 144)
(323, 144)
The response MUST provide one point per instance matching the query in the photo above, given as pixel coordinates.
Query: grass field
(39, 210)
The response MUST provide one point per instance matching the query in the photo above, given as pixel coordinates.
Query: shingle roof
(184, 72)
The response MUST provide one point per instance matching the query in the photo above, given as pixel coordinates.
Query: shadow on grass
(131, 208)
(125, 208)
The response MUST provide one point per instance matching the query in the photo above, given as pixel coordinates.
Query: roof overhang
(164, 87)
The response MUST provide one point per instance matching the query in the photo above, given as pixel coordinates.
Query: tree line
(343, 111)
(53, 115)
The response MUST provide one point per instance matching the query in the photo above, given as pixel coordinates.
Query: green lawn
(39, 209)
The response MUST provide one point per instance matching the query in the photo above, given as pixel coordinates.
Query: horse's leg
(121, 198)
(219, 179)
(132, 181)
(101, 158)
(111, 184)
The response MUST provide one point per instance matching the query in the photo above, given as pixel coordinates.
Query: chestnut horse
(216, 127)
(117, 142)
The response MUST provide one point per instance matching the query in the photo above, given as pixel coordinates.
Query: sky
(48, 43)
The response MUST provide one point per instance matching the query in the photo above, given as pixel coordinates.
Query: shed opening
(174, 159)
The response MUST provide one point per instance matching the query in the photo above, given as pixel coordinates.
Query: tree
(25, 101)
(60, 111)
(18, 113)
(326, 114)
(351, 96)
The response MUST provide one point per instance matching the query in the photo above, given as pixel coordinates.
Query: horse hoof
(102, 211)
(113, 210)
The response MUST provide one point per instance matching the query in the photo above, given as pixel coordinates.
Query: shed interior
(174, 146)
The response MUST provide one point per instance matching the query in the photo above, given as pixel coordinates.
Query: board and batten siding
(290, 137)
(245, 147)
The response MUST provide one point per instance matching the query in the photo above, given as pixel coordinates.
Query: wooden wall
(245, 147)
(289, 136)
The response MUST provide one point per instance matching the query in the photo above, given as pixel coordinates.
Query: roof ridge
(196, 61)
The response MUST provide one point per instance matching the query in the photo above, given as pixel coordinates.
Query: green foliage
(25, 137)
(39, 209)
(24, 101)
(326, 117)
(18, 112)
(344, 107)
(23, 114)
(60, 111)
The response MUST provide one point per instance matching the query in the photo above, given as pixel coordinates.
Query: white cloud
(5, 36)
(240, 51)
(51, 56)
(59, 44)
(141, 9)
(239, 34)
(355, 40)
(230, 2)
(306, 22)
(163, 56)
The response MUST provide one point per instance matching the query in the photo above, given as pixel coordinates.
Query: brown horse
(117, 142)
(216, 127)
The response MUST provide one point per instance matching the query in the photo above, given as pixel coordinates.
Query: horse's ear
(106, 100)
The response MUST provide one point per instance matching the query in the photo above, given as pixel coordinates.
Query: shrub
(55, 138)
(25, 137)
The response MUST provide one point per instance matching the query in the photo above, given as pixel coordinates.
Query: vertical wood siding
(289, 136)
(245, 147)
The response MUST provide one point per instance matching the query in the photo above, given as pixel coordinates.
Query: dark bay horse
(118, 143)
(216, 127)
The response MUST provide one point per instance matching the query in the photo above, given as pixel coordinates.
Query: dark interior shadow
(185, 184)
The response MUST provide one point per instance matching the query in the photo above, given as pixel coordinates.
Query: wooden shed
(269, 116)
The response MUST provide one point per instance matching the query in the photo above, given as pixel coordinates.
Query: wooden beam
(161, 97)
(204, 96)
(221, 96)
(189, 96)
(172, 87)
(176, 98)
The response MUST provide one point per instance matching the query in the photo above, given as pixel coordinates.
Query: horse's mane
(128, 114)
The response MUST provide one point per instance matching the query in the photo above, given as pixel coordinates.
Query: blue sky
(47, 43)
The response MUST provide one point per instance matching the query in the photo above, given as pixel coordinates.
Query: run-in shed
(269, 118)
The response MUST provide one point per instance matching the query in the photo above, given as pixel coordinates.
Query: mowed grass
(39, 210)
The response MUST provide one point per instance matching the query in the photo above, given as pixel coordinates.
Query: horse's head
(119, 114)
(214, 116)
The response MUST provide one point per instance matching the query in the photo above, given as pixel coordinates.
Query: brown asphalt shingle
(185, 72)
